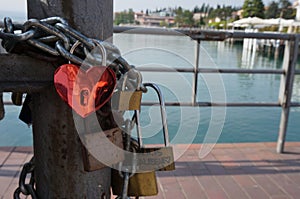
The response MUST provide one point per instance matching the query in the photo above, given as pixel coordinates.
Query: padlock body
(140, 184)
(156, 158)
(84, 91)
(97, 143)
(127, 100)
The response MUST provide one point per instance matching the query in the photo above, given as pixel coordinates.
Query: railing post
(286, 88)
(196, 67)
(59, 169)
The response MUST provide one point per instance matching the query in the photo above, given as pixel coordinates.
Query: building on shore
(153, 20)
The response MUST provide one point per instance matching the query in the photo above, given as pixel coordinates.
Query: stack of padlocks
(103, 77)
(139, 177)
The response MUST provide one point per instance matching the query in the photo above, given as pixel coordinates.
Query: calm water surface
(186, 124)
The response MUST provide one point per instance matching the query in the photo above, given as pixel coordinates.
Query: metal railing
(287, 72)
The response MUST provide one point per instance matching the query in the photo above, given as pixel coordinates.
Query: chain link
(51, 39)
(54, 37)
(27, 189)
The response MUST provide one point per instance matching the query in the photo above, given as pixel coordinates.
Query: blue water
(190, 124)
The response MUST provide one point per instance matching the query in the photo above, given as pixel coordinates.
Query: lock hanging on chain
(98, 144)
(129, 183)
(85, 90)
(156, 158)
(129, 96)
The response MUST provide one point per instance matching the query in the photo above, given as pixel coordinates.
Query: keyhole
(84, 96)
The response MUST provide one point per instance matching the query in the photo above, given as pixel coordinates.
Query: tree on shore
(273, 10)
(125, 17)
(285, 9)
(280, 8)
(184, 17)
(253, 8)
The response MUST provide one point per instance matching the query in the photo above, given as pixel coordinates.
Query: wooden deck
(235, 171)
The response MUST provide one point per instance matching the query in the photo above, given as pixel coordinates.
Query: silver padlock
(163, 155)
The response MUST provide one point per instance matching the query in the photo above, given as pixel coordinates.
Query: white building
(298, 10)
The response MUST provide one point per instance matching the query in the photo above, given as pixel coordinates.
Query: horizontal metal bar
(295, 104)
(150, 31)
(8, 103)
(157, 69)
(212, 70)
(199, 34)
(207, 104)
(297, 72)
(250, 71)
(24, 74)
(258, 35)
(218, 104)
(23, 86)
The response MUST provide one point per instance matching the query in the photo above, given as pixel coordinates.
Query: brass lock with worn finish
(128, 97)
(139, 184)
(156, 158)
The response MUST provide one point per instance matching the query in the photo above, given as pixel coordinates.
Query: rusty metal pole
(57, 147)
(286, 89)
(196, 72)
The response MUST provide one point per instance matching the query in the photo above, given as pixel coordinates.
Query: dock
(240, 170)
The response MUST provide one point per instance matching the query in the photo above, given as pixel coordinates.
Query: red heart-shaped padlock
(84, 91)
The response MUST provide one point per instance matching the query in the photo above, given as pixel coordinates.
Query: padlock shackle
(103, 51)
(139, 79)
(162, 111)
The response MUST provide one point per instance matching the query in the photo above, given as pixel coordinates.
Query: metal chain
(27, 189)
(54, 37)
(51, 39)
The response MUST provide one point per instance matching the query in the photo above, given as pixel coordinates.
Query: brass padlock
(156, 158)
(140, 184)
(97, 144)
(125, 98)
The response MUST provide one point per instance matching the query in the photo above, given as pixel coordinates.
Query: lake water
(193, 124)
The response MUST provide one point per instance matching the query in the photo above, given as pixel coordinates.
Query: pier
(239, 170)
(245, 170)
